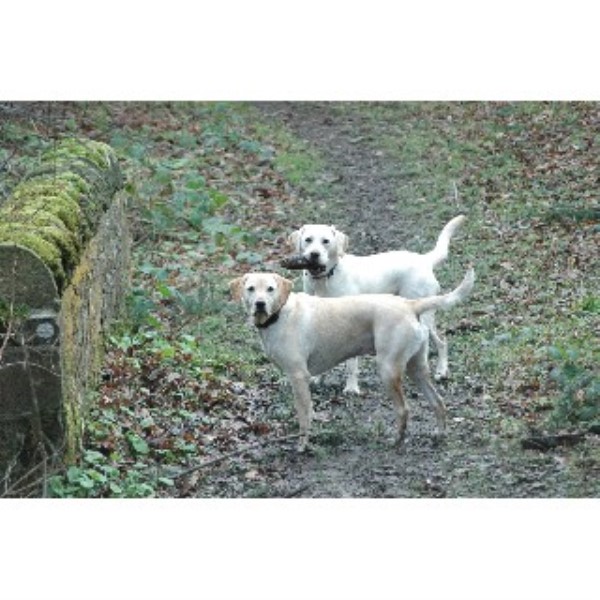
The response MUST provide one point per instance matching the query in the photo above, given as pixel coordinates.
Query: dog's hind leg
(391, 377)
(418, 371)
(441, 346)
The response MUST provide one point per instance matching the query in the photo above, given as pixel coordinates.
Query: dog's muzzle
(315, 261)
(262, 318)
(260, 307)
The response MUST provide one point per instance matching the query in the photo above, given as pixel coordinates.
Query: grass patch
(301, 165)
(524, 176)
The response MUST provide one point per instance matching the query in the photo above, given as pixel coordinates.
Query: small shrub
(590, 304)
(579, 401)
(99, 477)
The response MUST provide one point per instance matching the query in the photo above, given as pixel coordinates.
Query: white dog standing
(404, 273)
(306, 335)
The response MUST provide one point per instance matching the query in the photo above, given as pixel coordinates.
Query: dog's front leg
(352, 376)
(303, 404)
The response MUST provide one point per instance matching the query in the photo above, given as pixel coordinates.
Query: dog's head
(322, 245)
(262, 294)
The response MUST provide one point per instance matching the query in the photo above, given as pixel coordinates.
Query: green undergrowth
(178, 364)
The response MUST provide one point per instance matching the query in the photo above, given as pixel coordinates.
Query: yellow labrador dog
(306, 335)
(400, 272)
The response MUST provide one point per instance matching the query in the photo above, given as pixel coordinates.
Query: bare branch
(455, 188)
(243, 450)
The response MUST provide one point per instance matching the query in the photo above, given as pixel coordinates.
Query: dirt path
(365, 176)
(353, 454)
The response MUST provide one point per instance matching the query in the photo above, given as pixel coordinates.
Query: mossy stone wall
(64, 271)
(93, 298)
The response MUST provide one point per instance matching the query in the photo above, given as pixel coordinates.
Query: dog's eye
(308, 240)
(250, 288)
(325, 241)
(270, 289)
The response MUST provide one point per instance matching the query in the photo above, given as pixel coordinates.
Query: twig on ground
(218, 459)
(547, 442)
(21, 484)
(456, 201)
(5, 162)
(296, 491)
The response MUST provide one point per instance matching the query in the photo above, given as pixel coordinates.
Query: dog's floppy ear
(236, 288)
(341, 241)
(294, 239)
(285, 287)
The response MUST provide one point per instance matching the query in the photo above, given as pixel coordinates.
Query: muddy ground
(353, 452)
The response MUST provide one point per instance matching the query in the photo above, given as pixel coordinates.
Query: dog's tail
(440, 252)
(448, 300)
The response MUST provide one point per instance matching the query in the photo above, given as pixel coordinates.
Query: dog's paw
(438, 441)
(352, 388)
(441, 369)
(441, 375)
(302, 445)
(317, 381)
(399, 444)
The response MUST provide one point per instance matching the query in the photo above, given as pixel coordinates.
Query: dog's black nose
(260, 305)
(314, 256)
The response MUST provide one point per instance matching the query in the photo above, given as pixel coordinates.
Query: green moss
(80, 184)
(58, 206)
(60, 163)
(98, 154)
(48, 228)
(53, 230)
(92, 160)
(48, 251)
(45, 199)
(38, 213)
(101, 184)
(63, 239)
(66, 179)
(46, 186)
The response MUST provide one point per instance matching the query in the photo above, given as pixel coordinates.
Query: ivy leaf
(138, 445)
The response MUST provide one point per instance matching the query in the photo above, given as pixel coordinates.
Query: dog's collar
(326, 275)
(272, 319)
